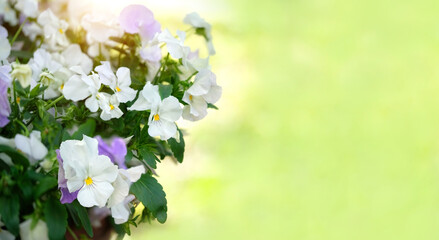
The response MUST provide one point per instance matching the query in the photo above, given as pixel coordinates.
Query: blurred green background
(328, 126)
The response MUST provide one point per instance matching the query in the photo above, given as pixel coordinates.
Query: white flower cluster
(99, 182)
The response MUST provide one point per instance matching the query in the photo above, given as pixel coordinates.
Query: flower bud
(22, 73)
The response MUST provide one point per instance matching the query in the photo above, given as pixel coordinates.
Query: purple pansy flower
(66, 196)
(5, 81)
(116, 152)
(139, 19)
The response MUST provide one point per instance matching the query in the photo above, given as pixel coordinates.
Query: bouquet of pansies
(88, 105)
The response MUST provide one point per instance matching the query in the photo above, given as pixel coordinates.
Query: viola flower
(119, 200)
(162, 118)
(116, 152)
(22, 73)
(121, 211)
(66, 195)
(150, 50)
(204, 90)
(38, 231)
(197, 22)
(28, 8)
(110, 106)
(139, 19)
(72, 56)
(8, 13)
(148, 97)
(43, 68)
(32, 30)
(5, 108)
(100, 26)
(119, 83)
(81, 86)
(5, 47)
(175, 46)
(192, 63)
(54, 30)
(87, 171)
(31, 146)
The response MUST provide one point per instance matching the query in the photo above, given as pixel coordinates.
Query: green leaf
(80, 213)
(44, 185)
(210, 105)
(177, 147)
(37, 90)
(165, 91)
(149, 157)
(129, 156)
(151, 194)
(9, 211)
(202, 32)
(56, 219)
(16, 157)
(87, 128)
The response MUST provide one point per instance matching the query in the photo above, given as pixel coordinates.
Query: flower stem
(24, 126)
(18, 32)
(54, 102)
(72, 233)
(193, 74)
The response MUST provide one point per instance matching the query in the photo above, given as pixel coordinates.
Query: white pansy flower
(43, 68)
(150, 50)
(123, 183)
(204, 90)
(149, 96)
(121, 211)
(192, 63)
(100, 26)
(72, 56)
(119, 200)
(81, 86)
(151, 54)
(175, 46)
(37, 232)
(87, 171)
(110, 106)
(196, 21)
(22, 73)
(54, 30)
(8, 13)
(162, 118)
(29, 8)
(32, 30)
(5, 47)
(119, 83)
(31, 146)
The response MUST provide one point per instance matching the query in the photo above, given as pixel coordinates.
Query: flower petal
(170, 109)
(95, 194)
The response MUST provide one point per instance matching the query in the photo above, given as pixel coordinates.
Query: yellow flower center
(61, 31)
(191, 97)
(88, 181)
(62, 86)
(156, 117)
(111, 107)
(18, 99)
(118, 89)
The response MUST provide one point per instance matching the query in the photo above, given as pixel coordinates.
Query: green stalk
(18, 32)
(53, 103)
(72, 233)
